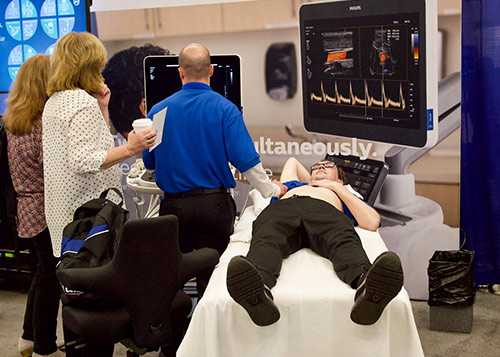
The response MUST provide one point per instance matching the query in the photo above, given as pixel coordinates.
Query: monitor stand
(412, 226)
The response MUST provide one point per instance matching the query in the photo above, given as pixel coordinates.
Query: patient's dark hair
(124, 76)
(341, 175)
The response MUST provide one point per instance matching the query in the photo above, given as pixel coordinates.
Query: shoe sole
(383, 282)
(246, 287)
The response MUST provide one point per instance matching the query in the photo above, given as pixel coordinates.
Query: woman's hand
(103, 99)
(103, 96)
(137, 142)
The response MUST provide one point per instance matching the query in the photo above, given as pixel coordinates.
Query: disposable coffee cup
(142, 124)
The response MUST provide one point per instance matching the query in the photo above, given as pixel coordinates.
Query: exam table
(314, 305)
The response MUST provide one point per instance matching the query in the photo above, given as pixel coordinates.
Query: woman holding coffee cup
(78, 146)
(79, 152)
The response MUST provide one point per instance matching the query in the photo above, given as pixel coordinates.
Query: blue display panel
(29, 27)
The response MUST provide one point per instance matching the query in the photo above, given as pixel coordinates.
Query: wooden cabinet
(257, 15)
(159, 22)
(125, 24)
(188, 20)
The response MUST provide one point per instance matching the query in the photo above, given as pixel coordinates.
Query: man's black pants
(298, 222)
(205, 220)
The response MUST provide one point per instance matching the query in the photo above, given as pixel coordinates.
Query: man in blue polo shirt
(203, 132)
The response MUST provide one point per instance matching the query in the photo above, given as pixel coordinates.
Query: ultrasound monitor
(161, 78)
(368, 70)
(29, 27)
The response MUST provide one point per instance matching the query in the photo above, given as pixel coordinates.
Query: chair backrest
(146, 273)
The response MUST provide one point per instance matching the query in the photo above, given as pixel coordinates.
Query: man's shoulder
(159, 106)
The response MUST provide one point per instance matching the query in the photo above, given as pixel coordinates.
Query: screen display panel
(161, 78)
(364, 70)
(29, 27)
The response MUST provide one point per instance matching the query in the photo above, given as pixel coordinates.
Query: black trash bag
(451, 278)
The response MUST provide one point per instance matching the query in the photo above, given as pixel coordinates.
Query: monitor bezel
(426, 135)
(157, 60)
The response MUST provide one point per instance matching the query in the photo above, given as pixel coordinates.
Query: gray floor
(482, 341)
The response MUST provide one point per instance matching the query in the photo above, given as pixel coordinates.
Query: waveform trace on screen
(367, 100)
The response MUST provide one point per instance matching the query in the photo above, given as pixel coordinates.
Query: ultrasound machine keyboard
(365, 176)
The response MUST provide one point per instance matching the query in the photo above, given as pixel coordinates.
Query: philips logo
(355, 8)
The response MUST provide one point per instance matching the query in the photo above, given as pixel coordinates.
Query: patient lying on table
(314, 213)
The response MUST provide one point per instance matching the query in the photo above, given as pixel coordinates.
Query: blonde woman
(78, 146)
(23, 121)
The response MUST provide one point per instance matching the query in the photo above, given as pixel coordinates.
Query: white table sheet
(314, 306)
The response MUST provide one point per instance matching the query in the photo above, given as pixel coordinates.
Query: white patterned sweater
(75, 140)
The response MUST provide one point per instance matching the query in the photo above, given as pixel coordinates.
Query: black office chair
(145, 278)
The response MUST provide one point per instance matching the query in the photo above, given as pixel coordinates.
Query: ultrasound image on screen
(363, 69)
(161, 78)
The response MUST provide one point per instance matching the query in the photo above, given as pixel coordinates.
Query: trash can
(451, 290)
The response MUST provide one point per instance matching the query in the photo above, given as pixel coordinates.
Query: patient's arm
(294, 170)
(367, 217)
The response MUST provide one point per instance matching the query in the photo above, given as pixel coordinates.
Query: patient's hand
(283, 188)
(334, 186)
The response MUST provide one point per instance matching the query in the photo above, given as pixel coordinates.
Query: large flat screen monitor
(161, 78)
(369, 70)
(29, 27)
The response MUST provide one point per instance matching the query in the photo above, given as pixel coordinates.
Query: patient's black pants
(288, 225)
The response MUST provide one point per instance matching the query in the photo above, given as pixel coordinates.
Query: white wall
(258, 108)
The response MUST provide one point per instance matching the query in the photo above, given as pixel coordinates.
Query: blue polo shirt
(203, 131)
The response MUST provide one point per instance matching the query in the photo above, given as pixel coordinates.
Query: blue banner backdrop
(480, 155)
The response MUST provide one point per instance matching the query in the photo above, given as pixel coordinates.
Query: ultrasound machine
(369, 71)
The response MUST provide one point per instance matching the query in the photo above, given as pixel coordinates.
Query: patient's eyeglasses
(329, 165)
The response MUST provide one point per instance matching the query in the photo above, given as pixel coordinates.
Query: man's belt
(197, 192)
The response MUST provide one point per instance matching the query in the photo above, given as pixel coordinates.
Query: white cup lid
(142, 122)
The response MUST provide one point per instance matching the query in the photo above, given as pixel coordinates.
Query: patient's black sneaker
(382, 283)
(246, 287)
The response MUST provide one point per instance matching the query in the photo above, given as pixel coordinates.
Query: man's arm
(294, 170)
(367, 217)
(259, 179)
